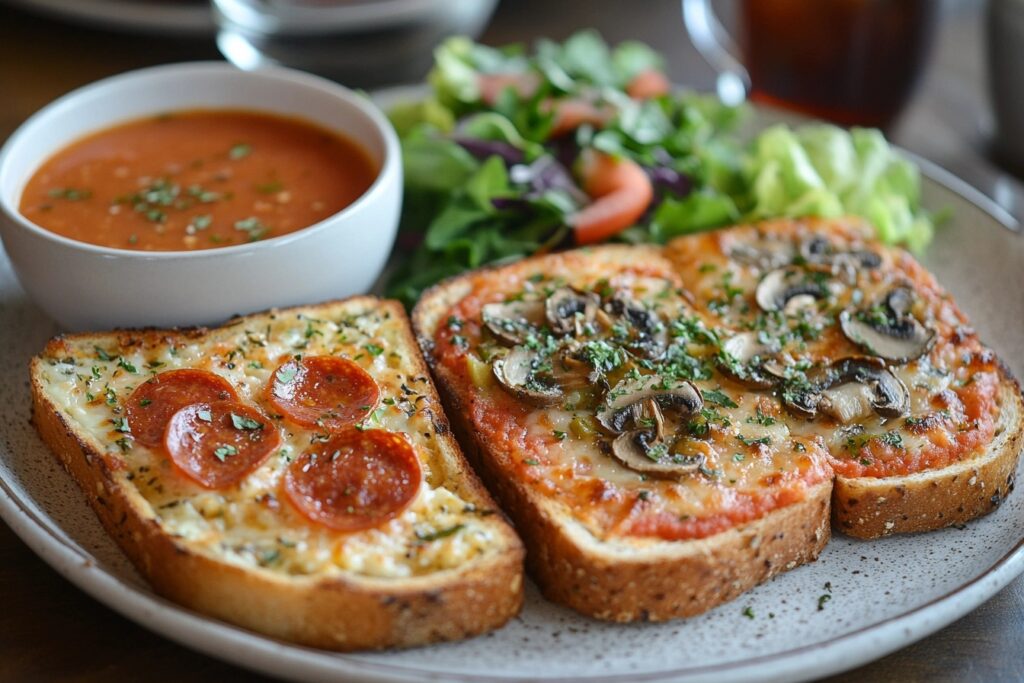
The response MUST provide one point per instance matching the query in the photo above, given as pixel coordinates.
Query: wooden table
(51, 631)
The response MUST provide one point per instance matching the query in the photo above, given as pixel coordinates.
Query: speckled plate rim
(266, 655)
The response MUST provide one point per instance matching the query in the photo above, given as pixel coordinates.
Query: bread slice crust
(345, 613)
(870, 507)
(624, 580)
(873, 506)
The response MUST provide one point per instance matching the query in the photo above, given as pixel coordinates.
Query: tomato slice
(153, 402)
(323, 392)
(356, 480)
(621, 193)
(218, 444)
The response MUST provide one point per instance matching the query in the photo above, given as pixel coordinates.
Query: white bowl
(83, 286)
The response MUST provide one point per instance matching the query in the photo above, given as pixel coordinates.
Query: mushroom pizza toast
(665, 427)
(291, 472)
(644, 484)
(869, 355)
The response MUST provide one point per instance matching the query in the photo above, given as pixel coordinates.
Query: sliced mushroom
(517, 374)
(568, 310)
(648, 335)
(818, 250)
(643, 452)
(789, 290)
(571, 372)
(763, 253)
(513, 322)
(624, 407)
(849, 389)
(899, 337)
(745, 361)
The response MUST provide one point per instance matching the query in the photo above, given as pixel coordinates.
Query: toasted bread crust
(658, 582)
(347, 613)
(621, 581)
(868, 507)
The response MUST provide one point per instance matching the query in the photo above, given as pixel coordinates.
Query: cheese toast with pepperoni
(667, 427)
(291, 472)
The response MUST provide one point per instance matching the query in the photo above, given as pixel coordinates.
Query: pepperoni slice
(153, 402)
(356, 480)
(218, 444)
(323, 391)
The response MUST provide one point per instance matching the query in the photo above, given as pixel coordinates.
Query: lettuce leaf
(823, 170)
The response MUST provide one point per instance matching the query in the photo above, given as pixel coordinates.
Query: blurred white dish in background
(160, 17)
(361, 43)
(84, 286)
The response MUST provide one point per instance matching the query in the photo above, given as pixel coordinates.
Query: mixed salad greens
(495, 159)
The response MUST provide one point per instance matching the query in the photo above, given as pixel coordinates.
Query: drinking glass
(854, 62)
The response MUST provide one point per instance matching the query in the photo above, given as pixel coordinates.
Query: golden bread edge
(868, 507)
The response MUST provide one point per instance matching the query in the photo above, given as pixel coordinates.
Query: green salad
(515, 153)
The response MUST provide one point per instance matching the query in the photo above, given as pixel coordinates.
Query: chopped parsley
(222, 453)
(373, 349)
(71, 194)
(763, 441)
(748, 612)
(203, 196)
(272, 187)
(760, 418)
(245, 423)
(719, 398)
(239, 151)
(286, 374)
(602, 356)
(439, 534)
(709, 473)
(892, 438)
(253, 227)
(200, 222)
(128, 367)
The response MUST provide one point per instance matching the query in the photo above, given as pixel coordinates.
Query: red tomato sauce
(610, 509)
(196, 180)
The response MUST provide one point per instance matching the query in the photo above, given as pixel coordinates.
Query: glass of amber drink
(854, 62)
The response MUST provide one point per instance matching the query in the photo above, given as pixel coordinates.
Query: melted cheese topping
(953, 387)
(751, 462)
(252, 524)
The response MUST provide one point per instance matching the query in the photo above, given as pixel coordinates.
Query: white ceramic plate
(883, 594)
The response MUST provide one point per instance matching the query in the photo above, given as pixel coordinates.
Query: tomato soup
(196, 180)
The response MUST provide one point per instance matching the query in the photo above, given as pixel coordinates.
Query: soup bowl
(84, 286)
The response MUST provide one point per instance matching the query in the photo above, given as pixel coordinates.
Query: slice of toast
(870, 507)
(442, 565)
(607, 540)
(948, 455)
